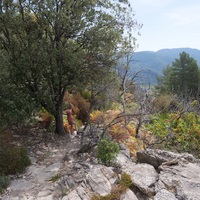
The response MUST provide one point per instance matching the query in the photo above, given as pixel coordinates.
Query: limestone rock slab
(100, 179)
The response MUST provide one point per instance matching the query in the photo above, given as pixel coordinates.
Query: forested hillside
(153, 63)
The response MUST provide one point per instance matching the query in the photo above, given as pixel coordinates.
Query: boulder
(156, 157)
(101, 179)
(164, 195)
(144, 177)
(80, 193)
(128, 195)
(182, 179)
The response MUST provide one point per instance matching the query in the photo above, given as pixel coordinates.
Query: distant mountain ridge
(152, 63)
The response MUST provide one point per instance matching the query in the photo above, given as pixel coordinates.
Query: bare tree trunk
(124, 100)
(139, 124)
(59, 121)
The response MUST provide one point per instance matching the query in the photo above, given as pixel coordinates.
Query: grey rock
(73, 195)
(129, 195)
(164, 195)
(21, 184)
(43, 173)
(70, 183)
(161, 175)
(77, 166)
(83, 192)
(10, 198)
(100, 179)
(183, 180)
(80, 193)
(33, 160)
(44, 193)
(144, 177)
(156, 157)
(53, 167)
(122, 158)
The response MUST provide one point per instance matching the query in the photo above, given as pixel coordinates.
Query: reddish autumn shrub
(118, 132)
(79, 105)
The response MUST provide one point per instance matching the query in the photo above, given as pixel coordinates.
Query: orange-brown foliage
(79, 105)
(134, 145)
(67, 127)
(131, 129)
(46, 119)
(97, 117)
(118, 132)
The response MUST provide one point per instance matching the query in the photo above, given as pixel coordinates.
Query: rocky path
(50, 160)
(58, 172)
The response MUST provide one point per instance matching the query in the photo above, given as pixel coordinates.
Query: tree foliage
(51, 46)
(181, 78)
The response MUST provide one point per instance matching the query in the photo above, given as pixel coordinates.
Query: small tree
(107, 151)
(182, 77)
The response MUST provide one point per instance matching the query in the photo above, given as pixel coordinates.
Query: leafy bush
(4, 182)
(13, 159)
(178, 131)
(107, 151)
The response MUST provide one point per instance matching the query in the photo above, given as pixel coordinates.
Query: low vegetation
(107, 151)
(55, 178)
(118, 190)
(13, 159)
(176, 131)
(4, 182)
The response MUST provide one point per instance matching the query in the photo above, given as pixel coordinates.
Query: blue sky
(167, 24)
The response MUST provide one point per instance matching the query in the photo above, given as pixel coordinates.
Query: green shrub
(126, 181)
(177, 131)
(107, 151)
(4, 182)
(13, 159)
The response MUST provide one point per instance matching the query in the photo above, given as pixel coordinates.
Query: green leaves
(176, 131)
(46, 44)
(107, 151)
(181, 78)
